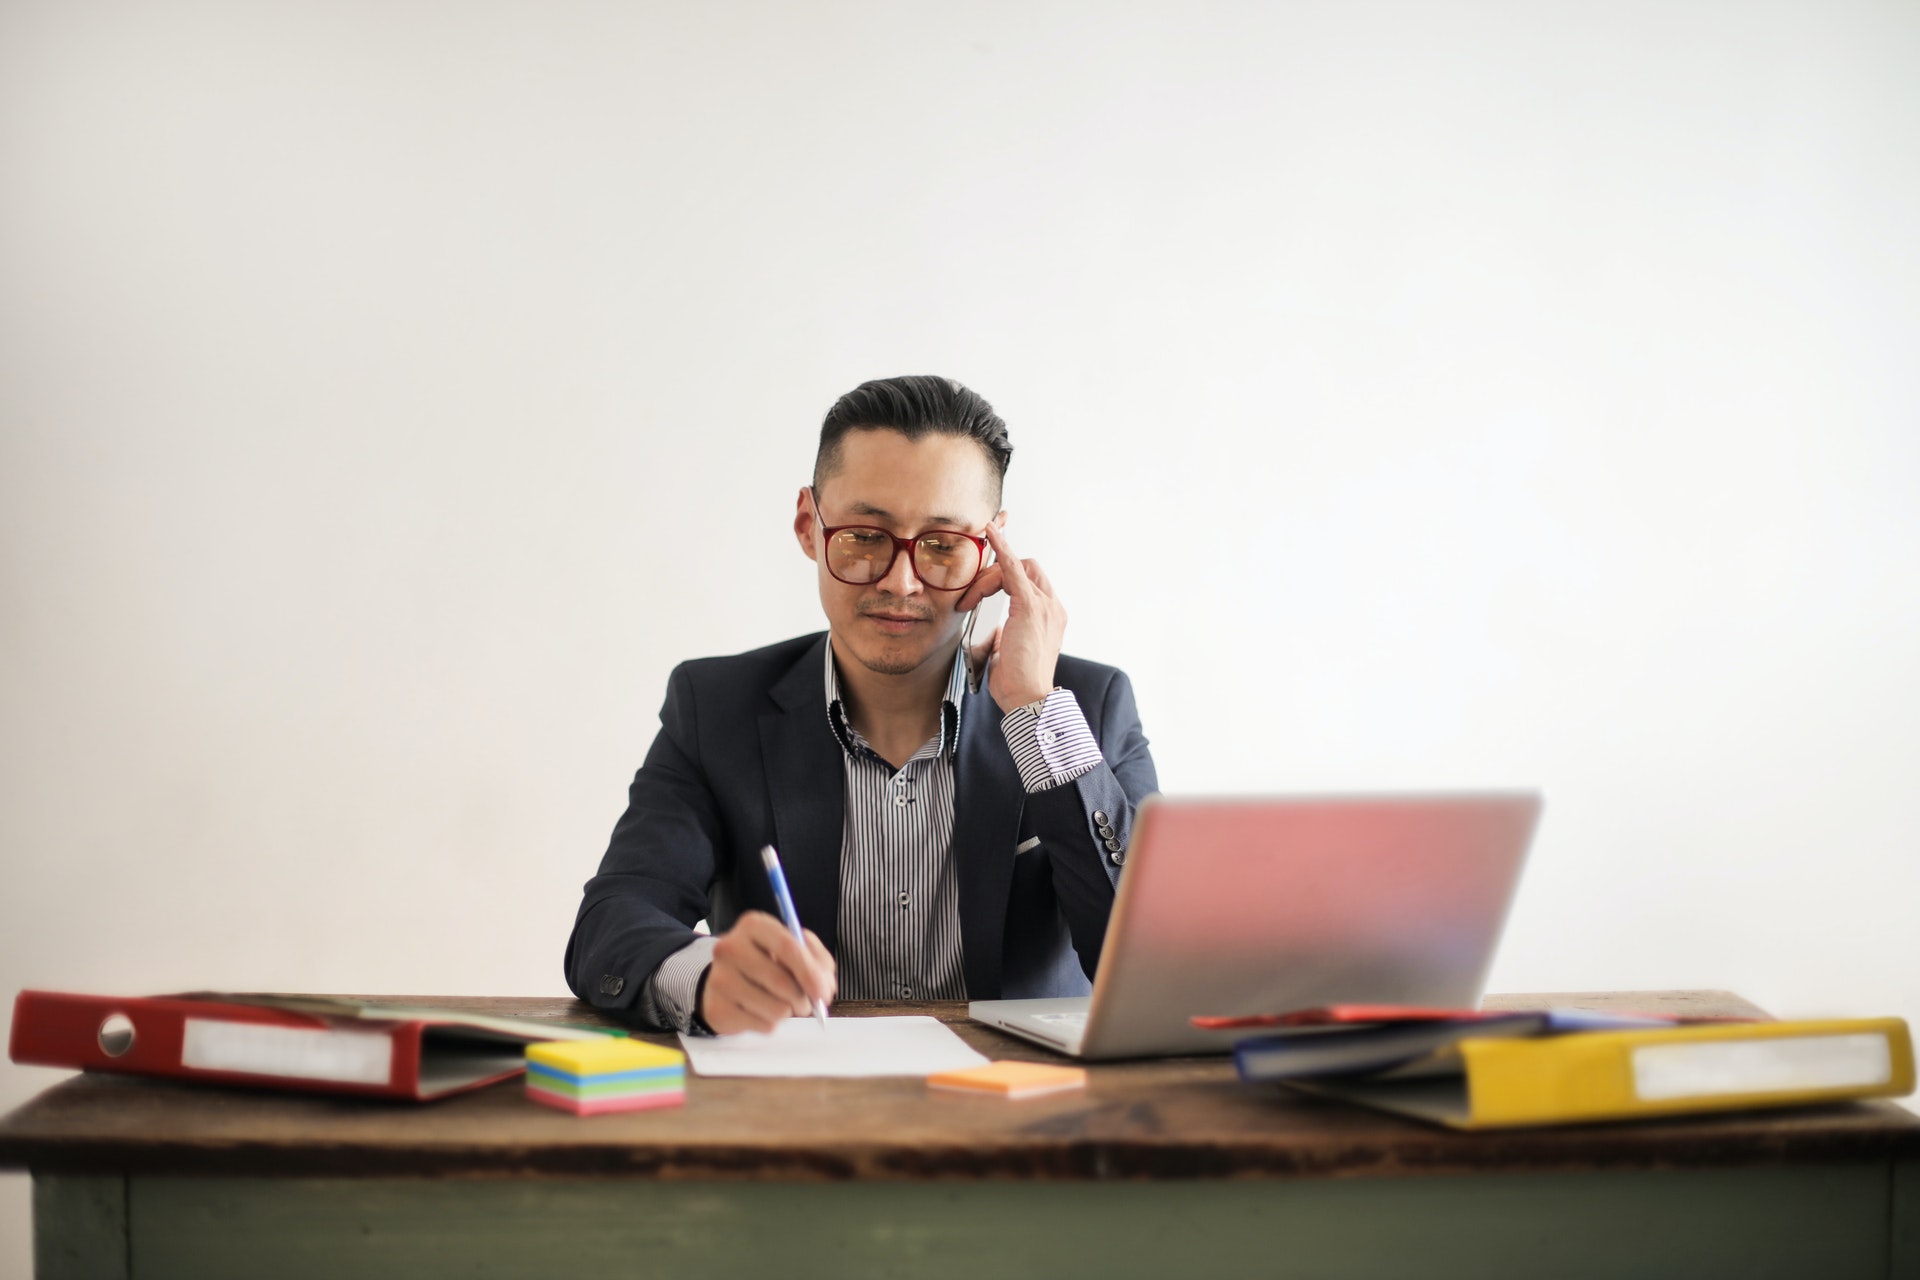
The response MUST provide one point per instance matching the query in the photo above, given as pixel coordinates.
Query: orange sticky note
(1012, 1079)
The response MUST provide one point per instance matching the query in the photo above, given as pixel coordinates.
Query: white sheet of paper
(916, 1046)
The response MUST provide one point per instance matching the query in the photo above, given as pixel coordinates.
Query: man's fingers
(1013, 572)
(752, 1011)
(809, 980)
(777, 978)
(761, 950)
(738, 1005)
(823, 957)
(816, 980)
(749, 970)
(731, 1002)
(762, 975)
(772, 982)
(985, 585)
(823, 960)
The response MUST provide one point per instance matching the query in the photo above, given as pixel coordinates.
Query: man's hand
(760, 976)
(1026, 648)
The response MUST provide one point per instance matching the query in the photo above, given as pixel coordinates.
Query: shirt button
(901, 802)
(903, 898)
(1099, 818)
(906, 993)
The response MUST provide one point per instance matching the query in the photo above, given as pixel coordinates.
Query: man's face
(897, 625)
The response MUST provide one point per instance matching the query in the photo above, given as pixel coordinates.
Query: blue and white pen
(771, 861)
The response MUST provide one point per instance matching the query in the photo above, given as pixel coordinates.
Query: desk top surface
(1169, 1118)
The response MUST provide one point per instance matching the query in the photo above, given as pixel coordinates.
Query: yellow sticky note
(602, 1056)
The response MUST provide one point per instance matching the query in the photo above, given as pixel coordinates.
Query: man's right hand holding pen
(761, 976)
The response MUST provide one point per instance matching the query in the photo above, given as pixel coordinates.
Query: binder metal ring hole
(116, 1035)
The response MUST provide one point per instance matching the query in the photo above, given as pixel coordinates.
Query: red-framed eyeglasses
(861, 554)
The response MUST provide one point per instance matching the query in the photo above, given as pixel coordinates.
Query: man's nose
(901, 580)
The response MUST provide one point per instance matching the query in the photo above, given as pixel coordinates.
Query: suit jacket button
(1113, 846)
(611, 984)
(1118, 856)
(1099, 818)
(1106, 833)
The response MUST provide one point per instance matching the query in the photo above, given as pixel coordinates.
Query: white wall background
(1407, 394)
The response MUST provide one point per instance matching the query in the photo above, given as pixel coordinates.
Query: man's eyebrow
(933, 522)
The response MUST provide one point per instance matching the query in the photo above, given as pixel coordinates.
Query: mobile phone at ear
(989, 614)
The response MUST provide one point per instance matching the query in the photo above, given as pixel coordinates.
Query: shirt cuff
(670, 997)
(1050, 741)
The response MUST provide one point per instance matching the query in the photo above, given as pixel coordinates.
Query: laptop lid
(1239, 906)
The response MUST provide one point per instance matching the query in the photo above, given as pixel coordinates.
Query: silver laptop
(1263, 906)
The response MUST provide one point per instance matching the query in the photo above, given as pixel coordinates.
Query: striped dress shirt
(899, 925)
(898, 929)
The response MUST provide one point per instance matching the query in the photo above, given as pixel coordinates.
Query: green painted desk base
(1830, 1221)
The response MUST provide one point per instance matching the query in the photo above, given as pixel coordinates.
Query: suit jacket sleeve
(653, 882)
(1069, 818)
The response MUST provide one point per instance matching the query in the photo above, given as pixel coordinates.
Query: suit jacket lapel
(806, 785)
(988, 798)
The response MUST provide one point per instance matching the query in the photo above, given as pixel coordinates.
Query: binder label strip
(347, 1057)
(1716, 1069)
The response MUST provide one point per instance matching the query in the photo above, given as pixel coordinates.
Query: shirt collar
(849, 737)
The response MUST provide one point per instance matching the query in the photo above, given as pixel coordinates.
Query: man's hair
(915, 406)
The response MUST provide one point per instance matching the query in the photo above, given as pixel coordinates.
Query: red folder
(1330, 1015)
(309, 1044)
(1345, 1015)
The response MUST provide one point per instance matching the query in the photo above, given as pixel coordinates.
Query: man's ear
(803, 524)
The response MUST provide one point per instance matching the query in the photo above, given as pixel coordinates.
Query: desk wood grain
(1181, 1118)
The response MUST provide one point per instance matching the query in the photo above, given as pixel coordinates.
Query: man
(952, 824)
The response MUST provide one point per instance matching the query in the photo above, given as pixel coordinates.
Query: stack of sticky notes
(1011, 1079)
(591, 1077)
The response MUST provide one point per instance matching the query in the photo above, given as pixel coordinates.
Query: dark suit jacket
(745, 758)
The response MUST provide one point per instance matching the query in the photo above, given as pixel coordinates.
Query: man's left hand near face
(1026, 648)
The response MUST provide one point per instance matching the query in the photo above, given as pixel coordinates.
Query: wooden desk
(1162, 1169)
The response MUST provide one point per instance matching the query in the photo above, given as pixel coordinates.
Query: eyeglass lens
(943, 561)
